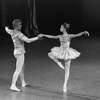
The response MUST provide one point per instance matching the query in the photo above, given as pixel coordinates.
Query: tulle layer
(67, 53)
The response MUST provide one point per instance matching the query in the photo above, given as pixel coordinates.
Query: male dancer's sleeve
(22, 36)
(9, 31)
(26, 39)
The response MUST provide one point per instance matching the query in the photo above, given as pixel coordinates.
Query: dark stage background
(81, 14)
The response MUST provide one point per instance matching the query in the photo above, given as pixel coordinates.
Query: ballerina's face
(62, 29)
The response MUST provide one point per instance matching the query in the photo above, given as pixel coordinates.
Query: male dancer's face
(19, 26)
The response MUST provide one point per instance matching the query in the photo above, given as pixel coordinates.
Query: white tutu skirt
(66, 53)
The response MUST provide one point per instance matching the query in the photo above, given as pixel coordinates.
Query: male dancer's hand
(6, 27)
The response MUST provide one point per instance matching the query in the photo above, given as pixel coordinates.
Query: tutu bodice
(65, 42)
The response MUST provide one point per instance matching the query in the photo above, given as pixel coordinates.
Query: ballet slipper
(59, 63)
(24, 85)
(14, 88)
(64, 89)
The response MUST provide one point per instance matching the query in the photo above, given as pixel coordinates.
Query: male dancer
(18, 40)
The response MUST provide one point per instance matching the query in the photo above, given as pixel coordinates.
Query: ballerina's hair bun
(66, 25)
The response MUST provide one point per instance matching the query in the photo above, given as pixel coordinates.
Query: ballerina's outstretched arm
(50, 36)
(80, 34)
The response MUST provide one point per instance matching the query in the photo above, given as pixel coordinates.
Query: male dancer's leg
(19, 65)
(22, 76)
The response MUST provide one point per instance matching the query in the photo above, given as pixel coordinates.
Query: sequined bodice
(65, 41)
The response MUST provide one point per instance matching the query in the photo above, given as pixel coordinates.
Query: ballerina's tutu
(65, 53)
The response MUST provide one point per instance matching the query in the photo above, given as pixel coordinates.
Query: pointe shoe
(64, 89)
(14, 88)
(59, 63)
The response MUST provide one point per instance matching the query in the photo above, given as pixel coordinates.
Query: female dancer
(19, 51)
(64, 52)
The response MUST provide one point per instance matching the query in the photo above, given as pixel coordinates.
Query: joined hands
(40, 35)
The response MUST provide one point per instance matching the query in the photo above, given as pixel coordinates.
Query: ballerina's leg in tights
(67, 72)
(66, 68)
(56, 60)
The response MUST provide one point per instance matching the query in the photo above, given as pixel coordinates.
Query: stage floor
(46, 78)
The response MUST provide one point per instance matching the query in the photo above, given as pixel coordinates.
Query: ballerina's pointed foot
(64, 89)
(61, 65)
(14, 88)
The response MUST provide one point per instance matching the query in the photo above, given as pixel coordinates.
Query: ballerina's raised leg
(56, 60)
